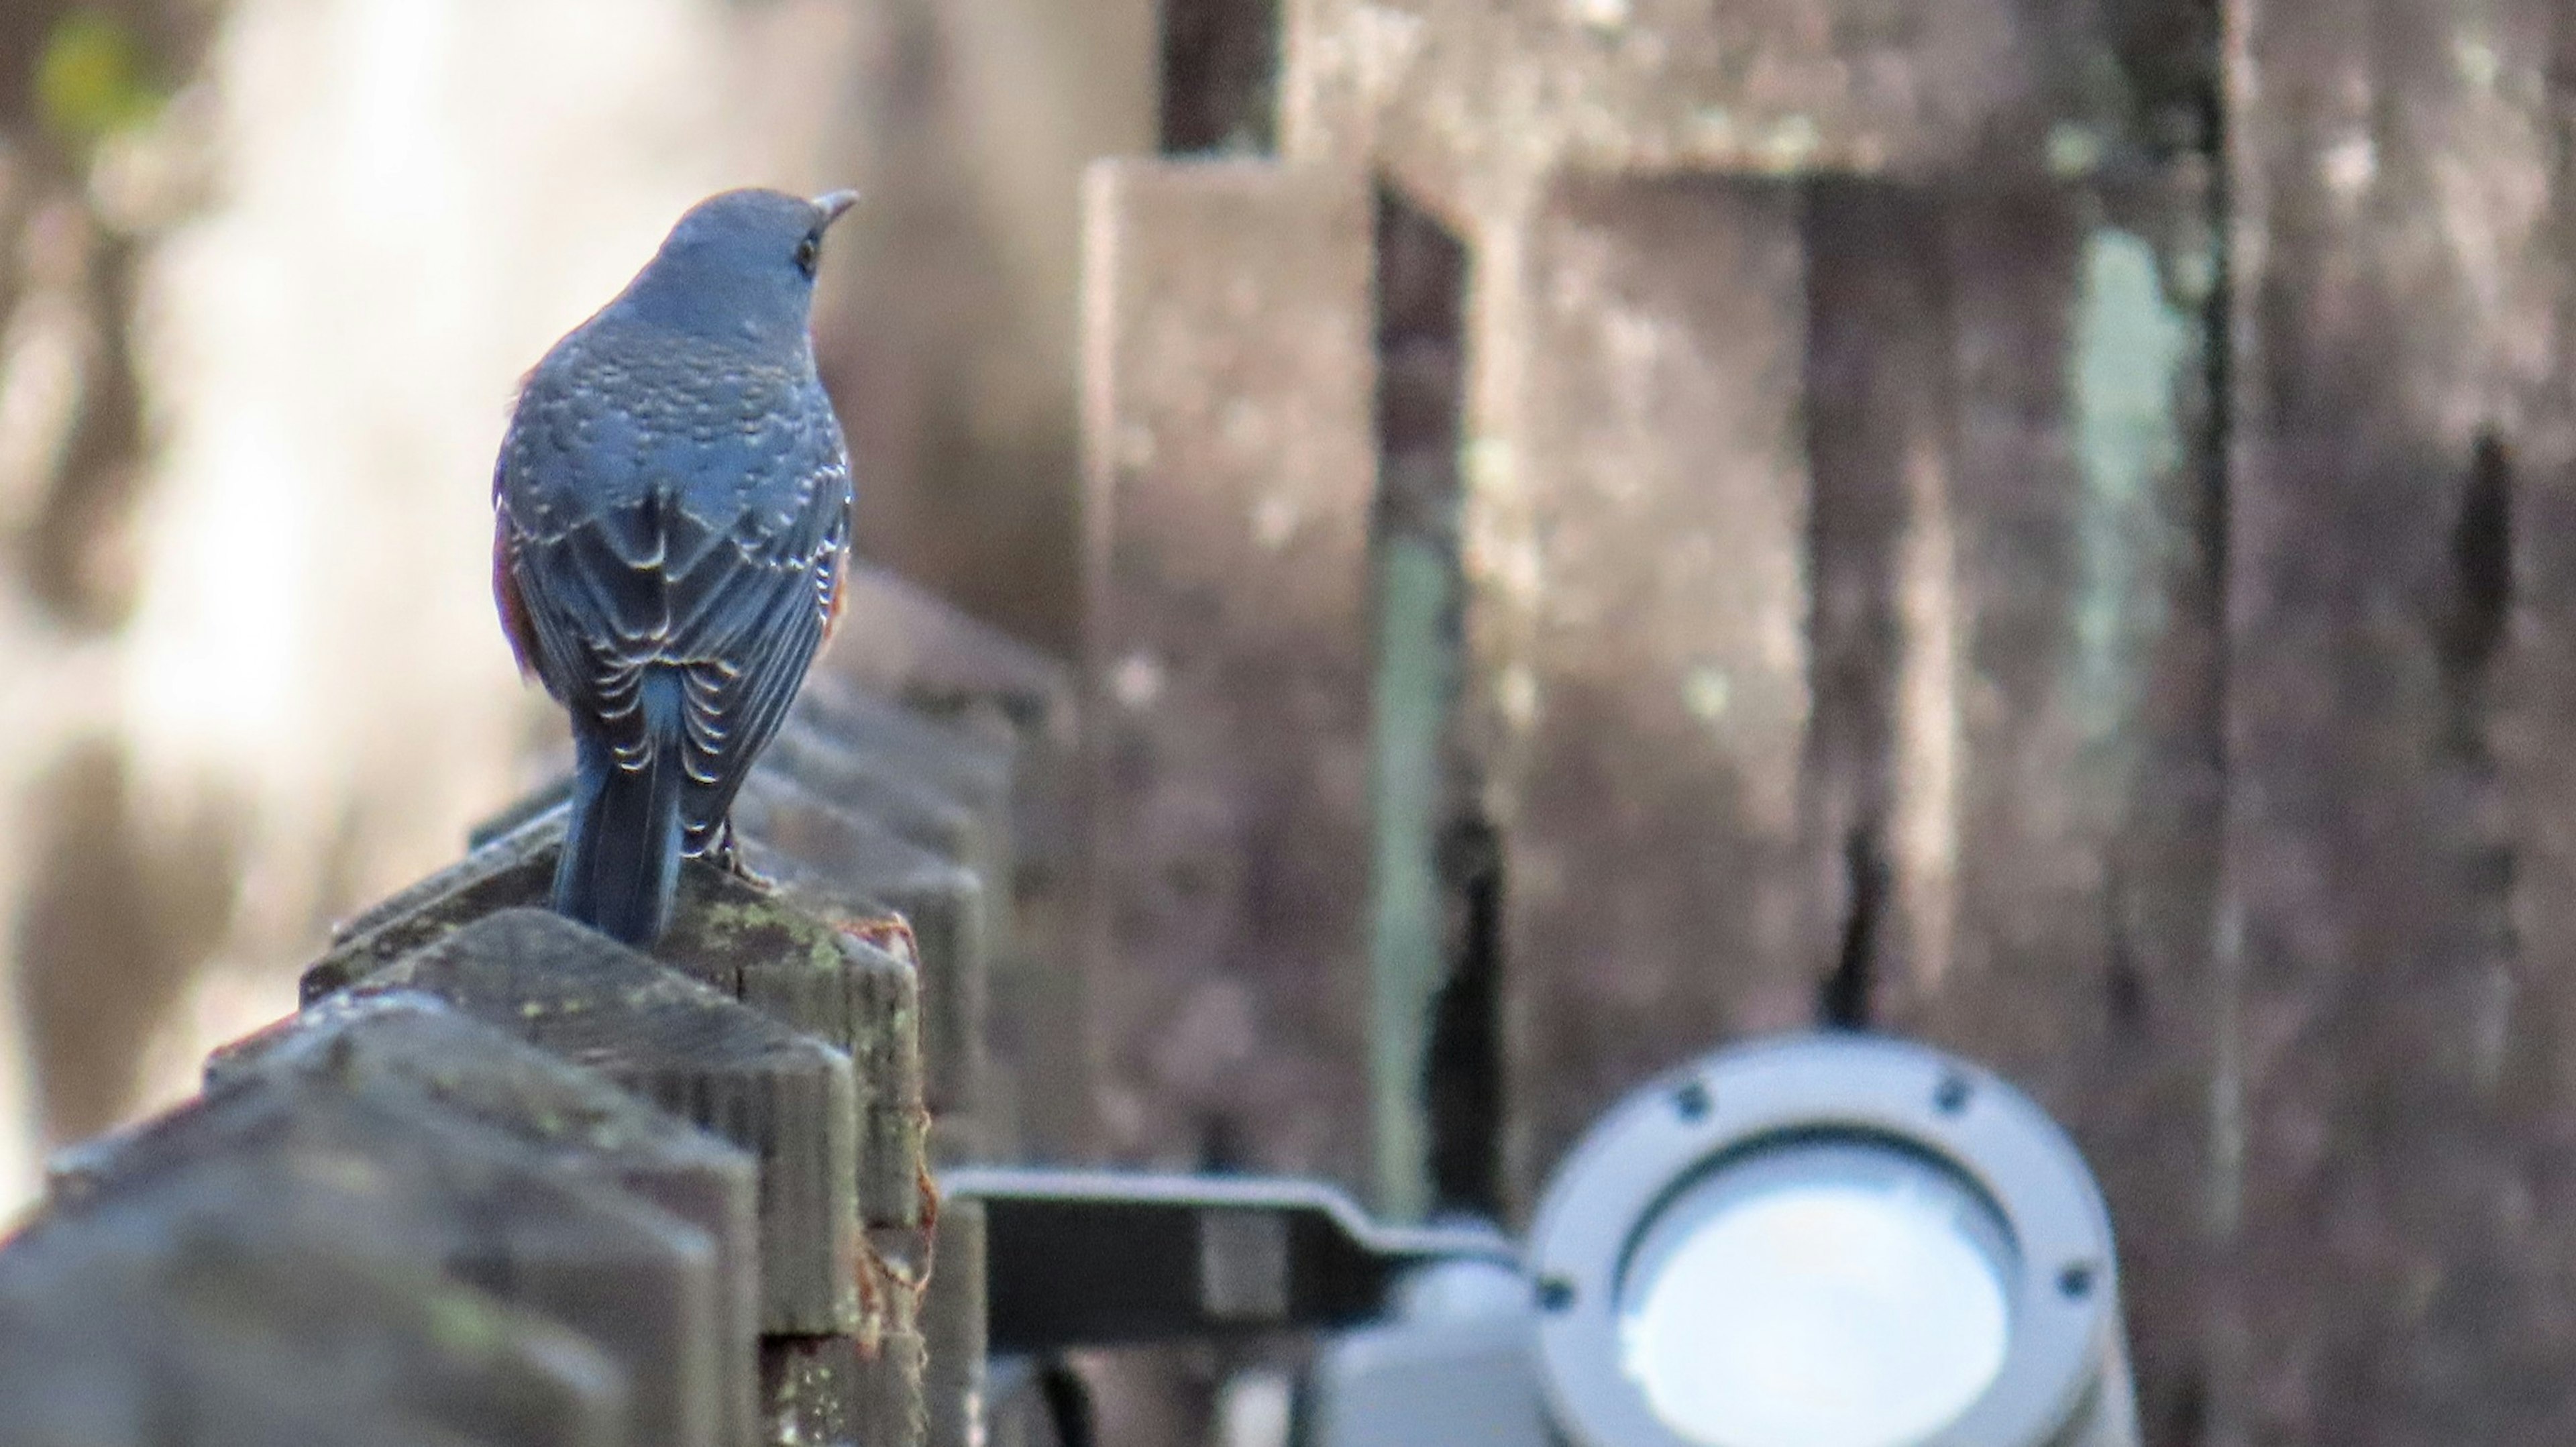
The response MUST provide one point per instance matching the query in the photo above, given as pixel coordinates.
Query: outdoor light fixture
(1819, 1241)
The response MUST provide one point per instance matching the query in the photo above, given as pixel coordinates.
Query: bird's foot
(729, 858)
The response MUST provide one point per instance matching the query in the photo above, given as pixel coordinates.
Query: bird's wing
(515, 625)
(594, 603)
(748, 620)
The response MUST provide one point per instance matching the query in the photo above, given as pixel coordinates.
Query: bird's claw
(729, 857)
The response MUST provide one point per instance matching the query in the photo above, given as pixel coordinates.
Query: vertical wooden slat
(2400, 1075)
(2089, 788)
(1876, 407)
(2050, 728)
(2011, 776)
(1227, 394)
(2528, 484)
(1657, 706)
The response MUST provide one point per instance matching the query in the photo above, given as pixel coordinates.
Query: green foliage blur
(91, 80)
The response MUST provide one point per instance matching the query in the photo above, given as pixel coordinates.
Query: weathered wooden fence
(503, 1180)
(1618, 525)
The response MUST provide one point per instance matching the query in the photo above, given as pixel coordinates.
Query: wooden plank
(1877, 402)
(953, 1316)
(974, 768)
(826, 912)
(804, 953)
(914, 677)
(869, 1004)
(839, 862)
(1229, 475)
(787, 1099)
(888, 789)
(2398, 1074)
(724, 932)
(1471, 103)
(971, 771)
(515, 868)
(844, 1169)
(2012, 774)
(414, 1048)
(900, 643)
(719, 920)
(400, 1179)
(880, 810)
(808, 1383)
(1638, 592)
(869, 1000)
(197, 1300)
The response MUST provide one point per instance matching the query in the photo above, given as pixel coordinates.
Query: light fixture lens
(1845, 1309)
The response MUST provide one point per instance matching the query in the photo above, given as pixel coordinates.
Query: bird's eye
(806, 250)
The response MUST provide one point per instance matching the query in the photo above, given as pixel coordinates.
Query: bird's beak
(833, 203)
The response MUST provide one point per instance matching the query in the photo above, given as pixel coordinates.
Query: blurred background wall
(269, 270)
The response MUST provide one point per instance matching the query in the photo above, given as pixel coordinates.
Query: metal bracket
(1078, 1258)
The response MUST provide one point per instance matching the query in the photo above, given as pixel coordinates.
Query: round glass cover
(1818, 1292)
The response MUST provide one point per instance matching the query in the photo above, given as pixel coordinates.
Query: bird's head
(738, 265)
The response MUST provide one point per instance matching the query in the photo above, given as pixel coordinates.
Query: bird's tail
(621, 853)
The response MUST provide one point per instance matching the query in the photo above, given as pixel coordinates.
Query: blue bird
(671, 523)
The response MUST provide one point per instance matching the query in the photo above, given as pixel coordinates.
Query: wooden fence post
(414, 1045)
(394, 1176)
(1838, 546)
(683, 1199)
(206, 1295)
(2399, 1065)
